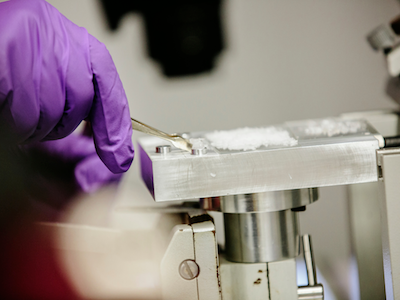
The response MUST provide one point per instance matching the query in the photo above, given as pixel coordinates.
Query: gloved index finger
(110, 117)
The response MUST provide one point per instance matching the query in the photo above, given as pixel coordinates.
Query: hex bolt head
(163, 149)
(189, 269)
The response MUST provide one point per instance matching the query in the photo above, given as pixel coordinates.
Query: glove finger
(91, 174)
(70, 149)
(76, 150)
(110, 117)
(79, 91)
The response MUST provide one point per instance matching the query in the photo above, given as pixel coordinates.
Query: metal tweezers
(175, 139)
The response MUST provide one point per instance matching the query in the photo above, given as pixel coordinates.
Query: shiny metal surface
(261, 202)
(315, 292)
(318, 160)
(200, 151)
(164, 149)
(309, 259)
(176, 140)
(261, 237)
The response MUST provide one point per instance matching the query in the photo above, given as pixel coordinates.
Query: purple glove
(78, 151)
(53, 75)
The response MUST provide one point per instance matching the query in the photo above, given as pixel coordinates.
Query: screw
(189, 269)
(164, 149)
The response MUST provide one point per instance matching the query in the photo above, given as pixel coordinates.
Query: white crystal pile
(250, 138)
(198, 143)
(332, 127)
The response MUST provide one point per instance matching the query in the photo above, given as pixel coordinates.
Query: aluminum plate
(319, 159)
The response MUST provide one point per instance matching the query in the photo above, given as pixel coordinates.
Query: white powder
(250, 138)
(198, 143)
(332, 127)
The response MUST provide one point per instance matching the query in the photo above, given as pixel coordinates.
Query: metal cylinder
(261, 237)
(315, 292)
(261, 202)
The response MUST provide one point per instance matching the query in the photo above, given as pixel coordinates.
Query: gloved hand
(78, 152)
(53, 75)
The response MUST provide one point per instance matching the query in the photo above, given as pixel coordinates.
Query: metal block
(206, 253)
(181, 248)
(189, 269)
(319, 159)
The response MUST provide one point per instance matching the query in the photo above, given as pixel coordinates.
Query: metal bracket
(189, 269)
(389, 162)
